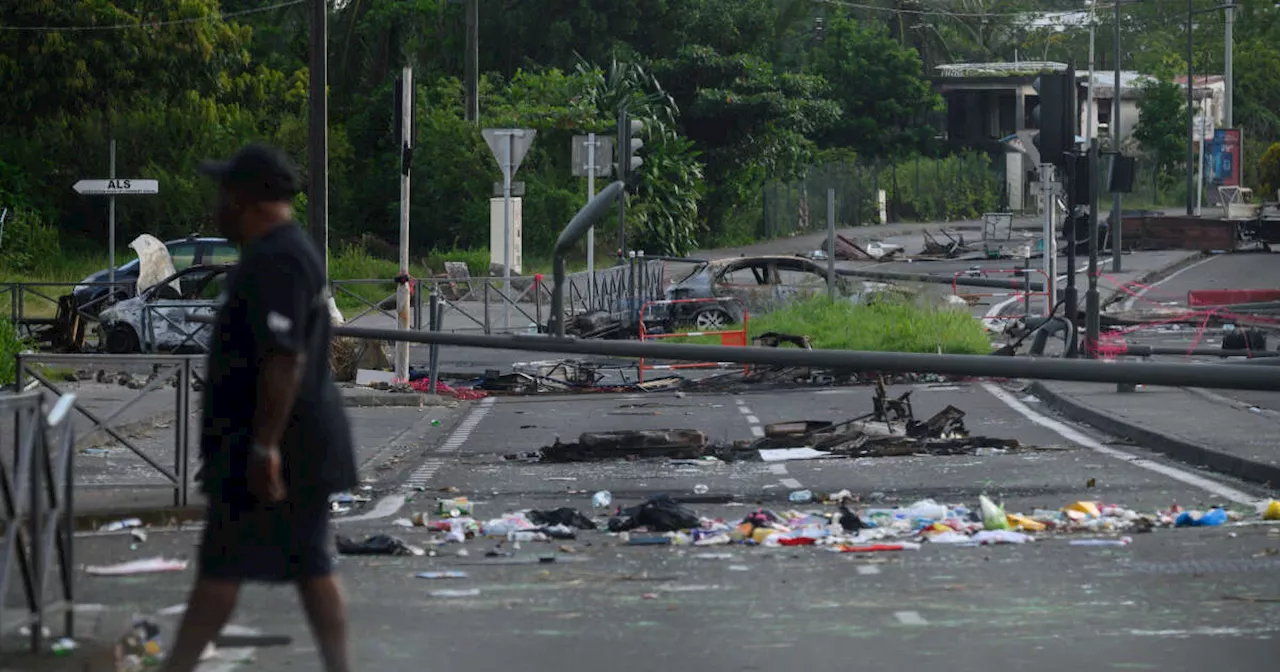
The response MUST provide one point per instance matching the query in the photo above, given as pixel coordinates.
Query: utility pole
(111, 227)
(404, 123)
(318, 133)
(1092, 303)
(591, 232)
(1116, 197)
(472, 65)
(1228, 98)
(1088, 115)
(1191, 113)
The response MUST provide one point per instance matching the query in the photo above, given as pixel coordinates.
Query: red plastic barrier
(1227, 297)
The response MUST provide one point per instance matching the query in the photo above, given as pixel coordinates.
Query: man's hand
(265, 480)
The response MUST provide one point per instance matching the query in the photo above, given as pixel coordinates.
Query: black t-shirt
(275, 302)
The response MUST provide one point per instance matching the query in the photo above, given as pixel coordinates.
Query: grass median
(885, 325)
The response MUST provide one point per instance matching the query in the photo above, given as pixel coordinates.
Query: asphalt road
(1169, 601)
(1254, 270)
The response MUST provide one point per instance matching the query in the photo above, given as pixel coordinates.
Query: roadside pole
(509, 146)
(831, 244)
(404, 117)
(1050, 239)
(112, 187)
(591, 232)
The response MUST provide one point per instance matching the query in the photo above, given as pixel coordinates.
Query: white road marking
(744, 410)
(1128, 304)
(910, 618)
(753, 419)
(757, 431)
(868, 570)
(996, 310)
(791, 483)
(389, 505)
(739, 402)
(778, 469)
(1066, 432)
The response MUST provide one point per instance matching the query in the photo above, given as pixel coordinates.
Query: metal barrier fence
(163, 368)
(165, 325)
(1024, 294)
(676, 312)
(37, 497)
(482, 304)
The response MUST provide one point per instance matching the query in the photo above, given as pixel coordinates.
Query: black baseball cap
(260, 171)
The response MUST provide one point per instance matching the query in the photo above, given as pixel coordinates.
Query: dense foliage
(735, 95)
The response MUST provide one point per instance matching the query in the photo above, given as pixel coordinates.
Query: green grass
(10, 345)
(904, 325)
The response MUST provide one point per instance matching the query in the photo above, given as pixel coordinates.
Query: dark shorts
(281, 543)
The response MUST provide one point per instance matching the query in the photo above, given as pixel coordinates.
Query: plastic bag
(993, 516)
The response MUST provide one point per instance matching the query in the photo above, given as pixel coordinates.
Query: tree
(746, 120)
(884, 100)
(1162, 124)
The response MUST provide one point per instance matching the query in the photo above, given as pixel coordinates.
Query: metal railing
(162, 319)
(36, 488)
(163, 368)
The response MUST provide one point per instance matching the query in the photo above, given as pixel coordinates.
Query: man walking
(275, 441)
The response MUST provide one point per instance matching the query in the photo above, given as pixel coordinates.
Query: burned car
(156, 319)
(716, 292)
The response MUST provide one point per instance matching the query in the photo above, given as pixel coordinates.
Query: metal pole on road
(1217, 376)
(1191, 112)
(1092, 302)
(1050, 237)
(111, 227)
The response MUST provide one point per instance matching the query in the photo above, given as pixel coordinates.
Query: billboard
(1225, 158)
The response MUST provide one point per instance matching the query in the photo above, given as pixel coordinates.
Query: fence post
(433, 356)
(181, 441)
(416, 288)
(537, 301)
(486, 307)
(34, 517)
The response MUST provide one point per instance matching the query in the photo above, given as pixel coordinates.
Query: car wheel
(123, 340)
(711, 319)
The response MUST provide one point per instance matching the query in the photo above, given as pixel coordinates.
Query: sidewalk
(1178, 422)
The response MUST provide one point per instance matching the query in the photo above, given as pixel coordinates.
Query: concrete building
(988, 102)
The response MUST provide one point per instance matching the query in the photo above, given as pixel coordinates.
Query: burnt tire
(122, 340)
(712, 319)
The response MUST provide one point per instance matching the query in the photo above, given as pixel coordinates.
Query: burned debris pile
(889, 430)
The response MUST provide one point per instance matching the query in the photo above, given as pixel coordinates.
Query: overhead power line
(1060, 15)
(143, 24)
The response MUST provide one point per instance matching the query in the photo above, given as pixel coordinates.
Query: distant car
(725, 287)
(186, 252)
(157, 319)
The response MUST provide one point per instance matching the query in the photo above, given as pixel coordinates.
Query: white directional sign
(117, 187)
(515, 140)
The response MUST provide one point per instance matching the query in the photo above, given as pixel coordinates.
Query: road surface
(1172, 600)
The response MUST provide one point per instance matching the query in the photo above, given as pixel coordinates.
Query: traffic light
(1054, 115)
(629, 143)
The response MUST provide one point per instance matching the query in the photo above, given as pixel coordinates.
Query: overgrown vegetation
(889, 323)
(884, 325)
(11, 344)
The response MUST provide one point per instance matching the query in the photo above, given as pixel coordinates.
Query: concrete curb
(1179, 449)
(352, 398)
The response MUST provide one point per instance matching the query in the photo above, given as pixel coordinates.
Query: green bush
(889, 325)
(28, 245)
(11, 344)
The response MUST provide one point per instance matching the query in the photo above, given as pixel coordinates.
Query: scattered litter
(450, 574)
(700, 489)
(1270, 509)
(64, 647)
(739, 568)
(133, 567)
(469, 592)
(119, 525)
(138, 535)
(562, 516)
(602, 499)
(1000, 536)
(1211, 518)
(458, 506)
(800, 497)
(1123, 541)
(378, 544)
(785, 454)
(660, 514)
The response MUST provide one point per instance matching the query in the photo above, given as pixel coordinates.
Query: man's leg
(208, 609)
(322, 598)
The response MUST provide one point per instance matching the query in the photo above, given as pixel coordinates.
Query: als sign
(118, 186)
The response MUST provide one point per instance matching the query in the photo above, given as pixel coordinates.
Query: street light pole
(1117, 221)
(1228, 98)
(318, 133)
(1191, 111)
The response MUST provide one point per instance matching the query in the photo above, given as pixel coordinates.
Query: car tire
(712, 319)
(123, 340)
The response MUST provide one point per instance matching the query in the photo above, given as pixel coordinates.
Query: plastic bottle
(801, 497)
(700, 489)
(602, 499)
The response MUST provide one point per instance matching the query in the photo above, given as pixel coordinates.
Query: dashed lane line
(434, 462)
(757, 430)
